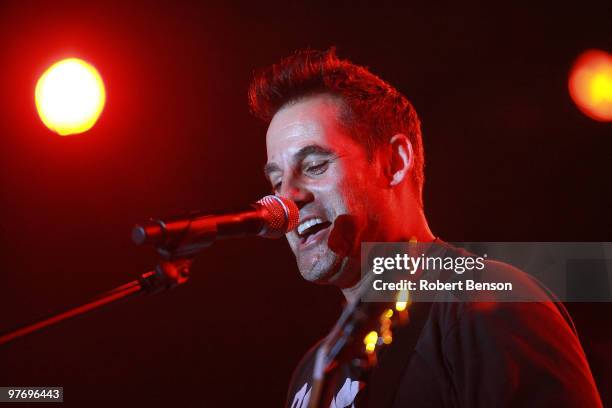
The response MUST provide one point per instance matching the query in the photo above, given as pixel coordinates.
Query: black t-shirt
(468, 354)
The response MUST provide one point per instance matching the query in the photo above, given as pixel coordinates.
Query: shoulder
(501, 351)
(491, 280)
(528, 310)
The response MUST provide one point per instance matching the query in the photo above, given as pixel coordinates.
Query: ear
(401, 159)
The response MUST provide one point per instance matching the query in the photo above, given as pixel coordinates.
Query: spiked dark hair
(374, 110)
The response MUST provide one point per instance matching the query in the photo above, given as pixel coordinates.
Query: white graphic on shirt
(344, 398)
(302, 398)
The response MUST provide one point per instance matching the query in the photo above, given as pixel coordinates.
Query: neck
(418, 229)
(352, 294)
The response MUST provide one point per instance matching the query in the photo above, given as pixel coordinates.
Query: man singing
(346, 147)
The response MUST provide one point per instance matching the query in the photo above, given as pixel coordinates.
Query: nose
(296, 192)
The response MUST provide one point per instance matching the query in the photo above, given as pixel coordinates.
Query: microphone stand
(166, 275)
(178, 242)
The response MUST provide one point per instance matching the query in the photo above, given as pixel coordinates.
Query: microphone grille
(282, 216)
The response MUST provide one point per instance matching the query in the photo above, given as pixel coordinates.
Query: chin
(331, 270)
(320, 269)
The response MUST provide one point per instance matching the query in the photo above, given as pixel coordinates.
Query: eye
(317, 167)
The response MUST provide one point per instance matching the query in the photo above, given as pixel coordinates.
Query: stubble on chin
(317, 268)
(329, 268)
(336, 262)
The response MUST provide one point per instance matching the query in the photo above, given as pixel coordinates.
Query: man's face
(313, 161)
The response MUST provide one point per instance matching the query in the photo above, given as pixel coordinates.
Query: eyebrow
(299, 156)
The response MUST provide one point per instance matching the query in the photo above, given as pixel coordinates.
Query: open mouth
(311, 229)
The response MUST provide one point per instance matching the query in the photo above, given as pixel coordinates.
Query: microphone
(270, 217)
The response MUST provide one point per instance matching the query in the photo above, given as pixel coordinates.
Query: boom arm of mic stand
(167, 275)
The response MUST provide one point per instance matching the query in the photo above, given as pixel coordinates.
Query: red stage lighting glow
(70, 96)
(590, 84)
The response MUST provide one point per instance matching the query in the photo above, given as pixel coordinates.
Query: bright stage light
(590, 84)
(70, 96)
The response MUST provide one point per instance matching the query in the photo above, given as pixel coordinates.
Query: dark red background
(509, 158)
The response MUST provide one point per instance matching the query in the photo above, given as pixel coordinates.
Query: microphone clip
(166, 275)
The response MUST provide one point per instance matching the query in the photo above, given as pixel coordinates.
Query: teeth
(307, 224)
